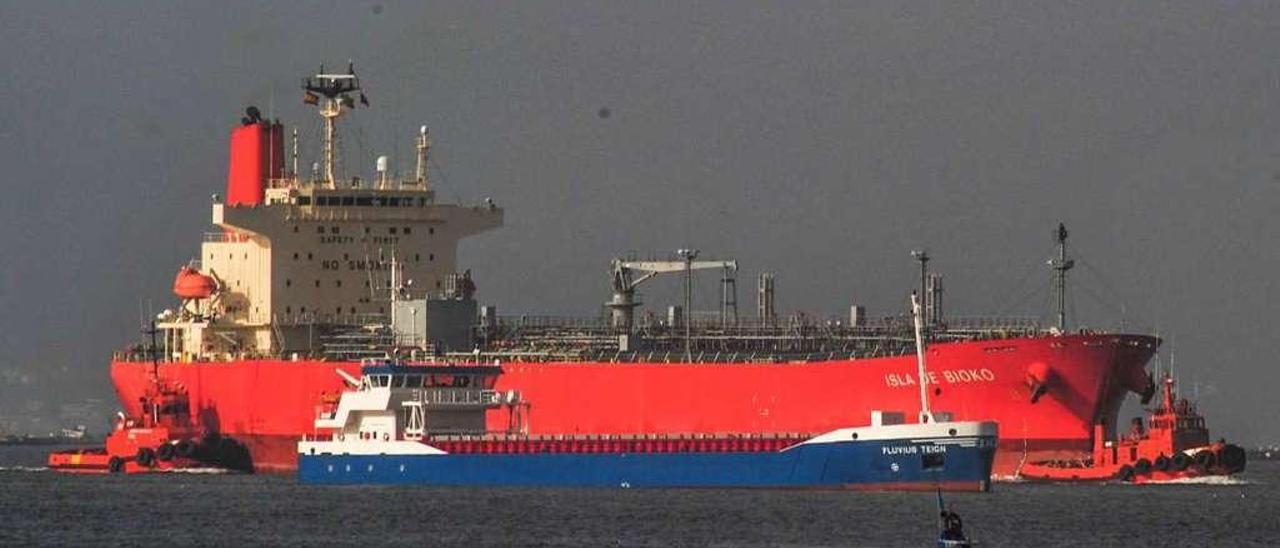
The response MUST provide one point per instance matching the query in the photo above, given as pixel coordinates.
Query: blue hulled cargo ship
(404, 423)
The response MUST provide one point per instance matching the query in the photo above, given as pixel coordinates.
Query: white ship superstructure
(297, 256)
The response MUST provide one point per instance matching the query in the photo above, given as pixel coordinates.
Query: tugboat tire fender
(185, 448)
(1125, 474)
(1181, 461)
(1142, 467)
(115, 465)
(1162, 462)
(146, 457)
(165, 452)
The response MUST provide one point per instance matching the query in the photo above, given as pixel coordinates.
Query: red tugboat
(161, 440)
(1173, 444)
(163, 436)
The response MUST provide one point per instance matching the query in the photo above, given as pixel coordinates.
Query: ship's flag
(310, 98)
(364, 100)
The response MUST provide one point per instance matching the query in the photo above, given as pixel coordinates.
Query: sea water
(40, 507)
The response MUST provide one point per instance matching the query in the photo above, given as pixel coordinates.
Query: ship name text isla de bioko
(307, 276)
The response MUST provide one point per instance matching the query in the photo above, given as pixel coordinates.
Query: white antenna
(424, 147)
(395, 293)
(925, 415)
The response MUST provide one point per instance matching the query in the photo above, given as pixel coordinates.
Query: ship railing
(713, 320)
(311, 318)
(224, 237)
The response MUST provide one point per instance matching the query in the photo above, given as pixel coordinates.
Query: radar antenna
(332, 93)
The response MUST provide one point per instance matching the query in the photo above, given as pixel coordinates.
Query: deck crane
(627, 275)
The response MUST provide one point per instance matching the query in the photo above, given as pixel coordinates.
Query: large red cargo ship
(308, 275)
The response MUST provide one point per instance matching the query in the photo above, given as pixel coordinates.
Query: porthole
(337, 283)
(288, 283)
(431, 231)
(317, 283)
(431, 256)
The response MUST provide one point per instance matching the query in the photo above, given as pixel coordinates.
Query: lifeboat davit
(191, 284)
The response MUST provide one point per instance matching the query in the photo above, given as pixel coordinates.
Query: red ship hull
(269, 404)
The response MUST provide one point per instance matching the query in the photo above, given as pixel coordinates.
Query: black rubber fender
(185, 449)
(146, 457)
(1125, 474)
(115, 465)
(1181, 461)
(1162, 463)
(165, 452)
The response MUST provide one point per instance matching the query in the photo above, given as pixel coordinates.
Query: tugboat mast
(1060, 265)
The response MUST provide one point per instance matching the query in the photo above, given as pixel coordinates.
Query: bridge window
(348, 200)
(406, 230)
(333, 230)
(320, 230)
(364, 201)
(393, 230)
(303, 200)
(413, 381)
(393, 202)
(397, 381)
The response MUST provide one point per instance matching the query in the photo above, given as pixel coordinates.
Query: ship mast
(925, 415)
(332, 93)
(423, 145)
(1060, 265)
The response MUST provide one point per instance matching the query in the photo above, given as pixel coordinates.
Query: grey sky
(821, 141)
